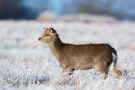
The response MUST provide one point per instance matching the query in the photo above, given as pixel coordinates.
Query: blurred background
(27, 62)
(31, 9)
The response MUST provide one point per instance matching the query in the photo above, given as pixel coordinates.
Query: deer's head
(48, 36)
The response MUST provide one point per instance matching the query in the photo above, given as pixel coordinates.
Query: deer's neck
(56, 47)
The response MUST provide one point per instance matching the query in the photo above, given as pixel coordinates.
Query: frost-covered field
(26, 63)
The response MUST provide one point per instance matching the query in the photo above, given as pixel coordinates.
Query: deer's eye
(47, 34)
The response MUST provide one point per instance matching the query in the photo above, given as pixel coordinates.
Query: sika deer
(73, 57)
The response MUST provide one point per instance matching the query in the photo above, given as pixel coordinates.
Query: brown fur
(73, 57)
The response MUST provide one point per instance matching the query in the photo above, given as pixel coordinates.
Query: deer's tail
(114, 56)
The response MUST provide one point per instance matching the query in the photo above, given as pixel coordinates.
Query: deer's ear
(53, 30)
(44, 28)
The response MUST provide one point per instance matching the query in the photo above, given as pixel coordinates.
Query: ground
(26, 63)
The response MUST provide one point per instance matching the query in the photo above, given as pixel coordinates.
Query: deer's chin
(44, 41)
(41, 40)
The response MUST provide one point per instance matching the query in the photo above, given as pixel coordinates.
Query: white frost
(26, 63)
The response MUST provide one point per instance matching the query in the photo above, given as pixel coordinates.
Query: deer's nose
(39, 39)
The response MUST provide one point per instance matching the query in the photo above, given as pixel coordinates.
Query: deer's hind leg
(115, 71)
(102, 68)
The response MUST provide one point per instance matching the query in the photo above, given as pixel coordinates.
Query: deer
(101, 57)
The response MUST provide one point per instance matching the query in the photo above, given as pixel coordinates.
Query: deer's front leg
(67, 74)
(67, 70)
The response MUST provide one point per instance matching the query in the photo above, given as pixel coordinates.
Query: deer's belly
(83, 66)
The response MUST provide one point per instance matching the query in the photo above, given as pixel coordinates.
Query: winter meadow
(26, 63)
